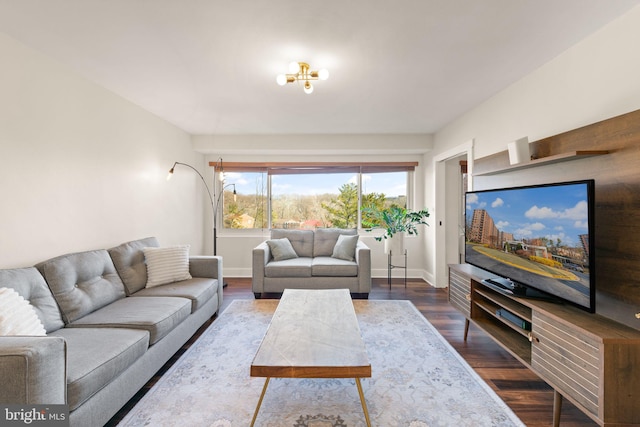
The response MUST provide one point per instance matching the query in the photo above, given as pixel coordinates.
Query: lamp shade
(308, 87)
(323, 74)
(294, 67)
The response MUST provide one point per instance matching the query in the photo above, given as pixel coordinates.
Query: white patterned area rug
(418, 379)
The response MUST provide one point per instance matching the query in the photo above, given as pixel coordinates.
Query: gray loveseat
(106, 333)
(315, 264)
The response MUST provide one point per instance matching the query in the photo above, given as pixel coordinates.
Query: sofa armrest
(33, 370)
(208, 266)
(363, 259)
(260, 257)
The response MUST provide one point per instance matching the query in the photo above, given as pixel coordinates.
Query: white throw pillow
(166, 265)
(17, 316)
(345, 248)
(281, 249)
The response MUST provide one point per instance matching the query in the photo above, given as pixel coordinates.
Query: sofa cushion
(301, 240)
(333, 267)
(95, 356)
(82, 282)
(157, 315)
(281, 249)
(345, 248)
(295, 267)
(128, 259)
(17, 316)
(325, 239)
(198, 290)
(29, 283)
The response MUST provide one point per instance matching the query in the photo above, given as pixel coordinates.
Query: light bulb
(221, 176)
(308, 87)
(323, 74)
(294, 67)
(281, 79)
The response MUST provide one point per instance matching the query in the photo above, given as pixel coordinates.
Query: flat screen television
(538, 240)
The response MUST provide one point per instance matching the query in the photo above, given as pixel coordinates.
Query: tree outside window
(309, 201)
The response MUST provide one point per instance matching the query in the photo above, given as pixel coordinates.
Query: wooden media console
(589, 359)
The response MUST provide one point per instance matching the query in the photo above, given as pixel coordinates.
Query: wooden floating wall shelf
(564, 157)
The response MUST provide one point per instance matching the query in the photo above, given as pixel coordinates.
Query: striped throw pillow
(166, 265)
(17, 316)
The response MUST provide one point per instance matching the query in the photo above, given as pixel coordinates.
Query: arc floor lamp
(212, 198)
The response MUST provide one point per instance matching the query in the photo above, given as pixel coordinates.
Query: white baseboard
(378, 273)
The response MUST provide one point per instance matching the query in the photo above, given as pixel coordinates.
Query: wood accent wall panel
(617, 216)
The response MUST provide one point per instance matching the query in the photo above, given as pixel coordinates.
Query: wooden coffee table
(313, 334)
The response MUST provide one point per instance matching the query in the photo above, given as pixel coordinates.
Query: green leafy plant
(394, 220)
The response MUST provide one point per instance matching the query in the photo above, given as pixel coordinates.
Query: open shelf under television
(591, 360)
(486, 304)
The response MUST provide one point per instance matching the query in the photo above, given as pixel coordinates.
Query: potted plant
(396, 221)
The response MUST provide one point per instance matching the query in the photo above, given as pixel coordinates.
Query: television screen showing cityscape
(537, 236)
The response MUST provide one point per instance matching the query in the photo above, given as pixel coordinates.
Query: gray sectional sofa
(317, 262)
(106, 333)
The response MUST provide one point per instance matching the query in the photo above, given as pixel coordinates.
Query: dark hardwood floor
(528, 396)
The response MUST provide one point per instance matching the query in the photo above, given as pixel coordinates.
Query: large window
(310, 196)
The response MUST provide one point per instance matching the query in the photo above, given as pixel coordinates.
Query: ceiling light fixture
(299, 71)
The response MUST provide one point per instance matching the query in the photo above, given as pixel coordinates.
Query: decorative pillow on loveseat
(281, 249)
(325, 239)
(17, 316)
(345, 247)
(167, 265)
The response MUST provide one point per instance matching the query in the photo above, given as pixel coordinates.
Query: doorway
(450, 185)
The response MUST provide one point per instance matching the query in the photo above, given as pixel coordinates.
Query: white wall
(81, 168)
(235, 245)
(594, 80)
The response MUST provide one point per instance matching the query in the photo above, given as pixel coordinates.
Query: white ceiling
(397, 66)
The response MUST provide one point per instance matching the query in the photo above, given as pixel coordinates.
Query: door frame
(444, 202)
